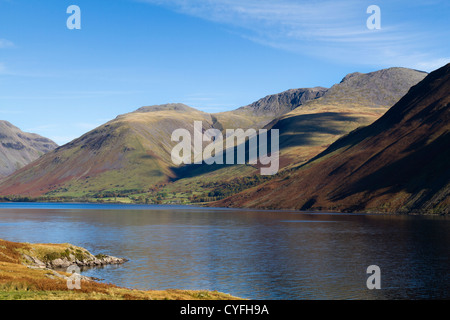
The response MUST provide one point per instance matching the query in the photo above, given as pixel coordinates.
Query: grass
(18, 282)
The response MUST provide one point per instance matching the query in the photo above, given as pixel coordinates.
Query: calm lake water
(250, 254)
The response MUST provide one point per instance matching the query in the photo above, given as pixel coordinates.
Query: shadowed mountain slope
(400, 163)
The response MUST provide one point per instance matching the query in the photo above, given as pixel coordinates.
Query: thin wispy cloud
(333, 30)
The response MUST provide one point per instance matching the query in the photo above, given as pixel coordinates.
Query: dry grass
(10, 251)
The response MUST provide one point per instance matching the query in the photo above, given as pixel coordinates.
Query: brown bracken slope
(399, 164)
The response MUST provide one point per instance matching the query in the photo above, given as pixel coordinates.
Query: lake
(247, 253)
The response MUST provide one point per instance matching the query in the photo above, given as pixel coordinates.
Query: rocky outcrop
(90, 262)
(65, 259)
(57, 259)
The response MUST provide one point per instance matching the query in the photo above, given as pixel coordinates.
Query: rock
(55, 275)
(60, 263)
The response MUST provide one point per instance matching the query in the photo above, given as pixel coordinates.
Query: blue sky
(212, 55)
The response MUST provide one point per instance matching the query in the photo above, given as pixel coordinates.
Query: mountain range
(131, 155)
(398, 164)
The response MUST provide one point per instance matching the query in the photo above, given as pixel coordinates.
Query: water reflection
(251, 254)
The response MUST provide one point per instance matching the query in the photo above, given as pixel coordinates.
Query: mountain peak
(392, 73)
(381, 88)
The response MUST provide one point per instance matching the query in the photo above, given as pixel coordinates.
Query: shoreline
(205, 206)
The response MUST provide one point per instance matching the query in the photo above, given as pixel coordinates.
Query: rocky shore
(65, 262)
(64, 256)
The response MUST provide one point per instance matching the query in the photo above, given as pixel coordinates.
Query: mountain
(18, 148)
(129, 152)
(358, 100)
(132, 153)
(400, 163)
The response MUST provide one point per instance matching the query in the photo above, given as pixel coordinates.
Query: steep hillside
(18, 148)
(400, 163)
